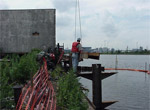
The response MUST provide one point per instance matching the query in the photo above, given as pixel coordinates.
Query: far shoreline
(121, 54)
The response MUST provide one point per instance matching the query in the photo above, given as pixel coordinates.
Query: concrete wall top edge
(24, 9)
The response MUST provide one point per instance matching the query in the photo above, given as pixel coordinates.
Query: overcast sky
(105, 23)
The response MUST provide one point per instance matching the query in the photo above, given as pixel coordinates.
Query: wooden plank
(92, 55)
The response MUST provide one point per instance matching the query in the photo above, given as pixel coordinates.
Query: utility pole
(127, 49)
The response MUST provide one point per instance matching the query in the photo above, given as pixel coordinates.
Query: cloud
(64, 20)
(3, 5)
(46, 4)
(64, 5)
(110, 30)
(116, 22)
(28, 4)
(109, 25)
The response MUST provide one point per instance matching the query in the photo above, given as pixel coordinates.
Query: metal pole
(97, 88)
(145, 66)
(116, 63)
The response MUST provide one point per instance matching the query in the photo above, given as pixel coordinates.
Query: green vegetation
(15, 71)
(69, 93)
(18, 71)
(5, 86)
(57, 73)
(27, 65)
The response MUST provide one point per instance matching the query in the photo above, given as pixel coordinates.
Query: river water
(131, 89)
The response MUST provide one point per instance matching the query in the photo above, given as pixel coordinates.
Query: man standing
(76, 51)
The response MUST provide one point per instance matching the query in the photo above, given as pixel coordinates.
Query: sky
(104, 23)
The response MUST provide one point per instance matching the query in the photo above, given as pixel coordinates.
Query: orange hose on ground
(42, 94)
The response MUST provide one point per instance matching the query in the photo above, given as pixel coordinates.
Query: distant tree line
(145, 52)
(141, 52)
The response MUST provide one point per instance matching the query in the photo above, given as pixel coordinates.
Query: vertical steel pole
(145, 66)
(116, 63)
(97, 88)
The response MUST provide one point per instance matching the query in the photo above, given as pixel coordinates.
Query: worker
(76, 51)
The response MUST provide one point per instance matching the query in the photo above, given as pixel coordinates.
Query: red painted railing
(41, 95)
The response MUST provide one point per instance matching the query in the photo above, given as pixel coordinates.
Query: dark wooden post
(97, 88)
(70, 60)
(17, 92)
(65, 65)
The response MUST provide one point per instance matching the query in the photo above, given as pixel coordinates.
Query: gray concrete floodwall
(23, 30)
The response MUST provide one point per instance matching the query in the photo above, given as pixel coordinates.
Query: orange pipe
(40, 83)
(146, 71)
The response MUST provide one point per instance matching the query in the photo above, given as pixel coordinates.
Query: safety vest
(74, 47)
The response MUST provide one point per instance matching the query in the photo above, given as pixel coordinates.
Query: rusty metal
(86, 75)
(84, 69)
(97, 88)
(90, 75)
(96, 74)
(107, 103)
(85, 72)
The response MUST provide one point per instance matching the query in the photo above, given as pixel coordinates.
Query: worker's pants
(75, 61)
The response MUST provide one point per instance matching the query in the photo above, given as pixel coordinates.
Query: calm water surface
(131, 89)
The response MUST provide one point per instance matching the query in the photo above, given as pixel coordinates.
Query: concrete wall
(17, 28)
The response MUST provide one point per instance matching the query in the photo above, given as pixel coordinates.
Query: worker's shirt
(79, 46)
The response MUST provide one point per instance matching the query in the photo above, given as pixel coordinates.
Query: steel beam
(90, 76)
(95, 74)
(107, 103)
(107, 74)
(84, 69)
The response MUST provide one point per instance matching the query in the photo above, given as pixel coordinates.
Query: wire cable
(79, 19)
(77, 13)
(75, 17)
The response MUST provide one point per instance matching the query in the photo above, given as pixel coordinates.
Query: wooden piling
(17, 92)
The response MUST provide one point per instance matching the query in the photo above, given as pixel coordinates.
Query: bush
(69, 94)
(26, 66)
(6, 90)
(57, 73)
(17, 70)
